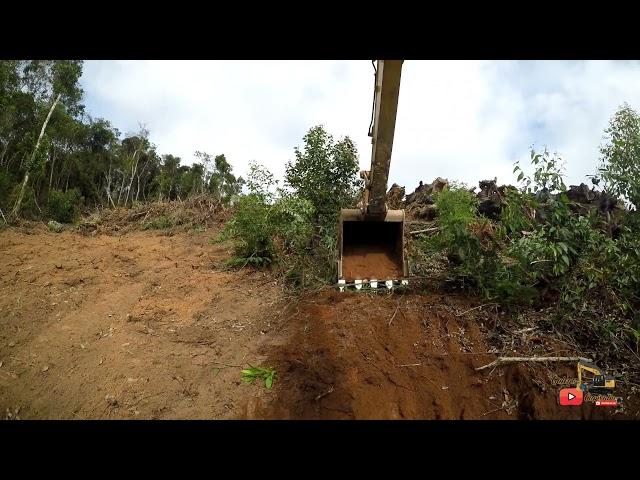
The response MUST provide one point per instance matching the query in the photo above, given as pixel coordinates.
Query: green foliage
(251, 374)
(620, 156)
(606, 275)
(518, 213)
(64, 206)
(274, 227)
(471, 244)
(84, 153)
(326, 174)
(547, 177)
(55, 226)
(262, 231)
(540, 250)
(29, 208)
(456, 208)
(6, 182)
(261, 182)
(217, 178)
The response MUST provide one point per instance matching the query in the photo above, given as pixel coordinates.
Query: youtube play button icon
(570, 396)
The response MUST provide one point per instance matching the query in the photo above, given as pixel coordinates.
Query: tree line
(54, 155)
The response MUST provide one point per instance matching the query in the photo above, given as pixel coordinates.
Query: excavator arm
(387, 91)
(371, 237)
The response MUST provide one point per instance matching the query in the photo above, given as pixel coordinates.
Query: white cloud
(465, 120)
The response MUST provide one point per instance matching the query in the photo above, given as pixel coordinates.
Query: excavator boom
(371, 238)
(387, 90)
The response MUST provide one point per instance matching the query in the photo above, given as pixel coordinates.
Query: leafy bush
(456, 208)
(64, 207)
(55, 226)
(541, 250)
(297, 228)
(264, 231)
(469, 242)
(251, 374)
(326, 174)
(620, 156)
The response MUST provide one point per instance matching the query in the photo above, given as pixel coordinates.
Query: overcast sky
(462, 120)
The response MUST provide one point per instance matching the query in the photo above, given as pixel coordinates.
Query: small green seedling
(250, 375)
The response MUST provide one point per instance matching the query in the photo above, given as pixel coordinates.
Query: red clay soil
(363, 262)
(359, 356)
(142, 325)
(146, 325)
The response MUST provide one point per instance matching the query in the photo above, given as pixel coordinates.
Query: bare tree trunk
(134, 168)
(143, 185)
(109, 185)
(53, 162)
(124, 178)
(16, 207)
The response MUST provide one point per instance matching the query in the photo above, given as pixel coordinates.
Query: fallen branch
(506, 408)
(524, 330)
(502, 360)
(394, 313)
(411, 365)
(5, 220)
(425, 230)
(475, 308)
(325, 393)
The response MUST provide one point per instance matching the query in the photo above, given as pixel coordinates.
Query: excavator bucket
(371, 247)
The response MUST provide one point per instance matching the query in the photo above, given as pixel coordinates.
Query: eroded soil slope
(359, 356)
(146, 325)
(136, 326)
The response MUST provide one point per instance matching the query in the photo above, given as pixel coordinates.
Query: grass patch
(251, 374)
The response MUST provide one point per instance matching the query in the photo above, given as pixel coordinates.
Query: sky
(460, 120)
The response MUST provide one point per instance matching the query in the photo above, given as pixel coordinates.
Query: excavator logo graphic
(592, 385)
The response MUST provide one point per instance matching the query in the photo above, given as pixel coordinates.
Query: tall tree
(50, 83)
(620, 155)
(325, 173)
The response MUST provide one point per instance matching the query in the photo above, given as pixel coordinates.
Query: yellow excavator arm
(371, 238)
(387, 91)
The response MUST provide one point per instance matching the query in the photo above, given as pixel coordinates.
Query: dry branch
(502, 360)
(394, 313)
(475, 308)
(324, 394)
(425, 230)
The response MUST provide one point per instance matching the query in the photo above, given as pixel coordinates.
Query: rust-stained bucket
(371, 247)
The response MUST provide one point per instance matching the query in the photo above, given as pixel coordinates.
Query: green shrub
(471, 244)
(29, 208)
(263, 231)
(620, 168)
(64, 207)
(55, 226)
(456, 208)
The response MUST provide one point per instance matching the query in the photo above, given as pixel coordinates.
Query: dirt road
(146, 325)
